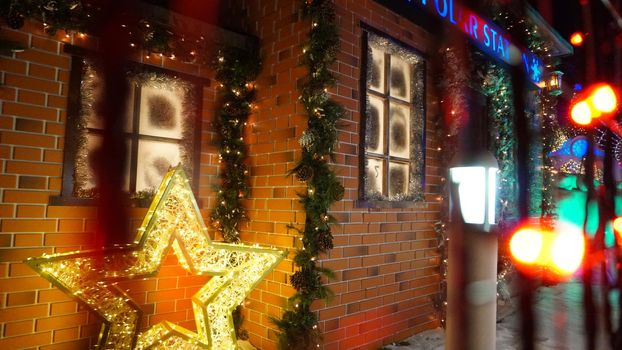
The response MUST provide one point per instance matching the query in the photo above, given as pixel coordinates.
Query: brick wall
(385, 259)
(33, 94)
(386, 262)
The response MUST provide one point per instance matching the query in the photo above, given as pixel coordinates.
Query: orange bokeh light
(604, 98)
(581, 113)
(526, 245)
(561, 253)
(600, 100)
(617, 227)
(576, 39)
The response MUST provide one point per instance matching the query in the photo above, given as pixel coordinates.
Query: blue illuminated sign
(485, 34)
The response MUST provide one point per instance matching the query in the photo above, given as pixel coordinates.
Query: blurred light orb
(526, 245)
(568, 249)
(581, 113)
(576, 39)
(617, 226)
(604, 99)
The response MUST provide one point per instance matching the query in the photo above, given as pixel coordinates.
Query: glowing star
(173, 220)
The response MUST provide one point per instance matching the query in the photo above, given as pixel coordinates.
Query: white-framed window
(393, 143)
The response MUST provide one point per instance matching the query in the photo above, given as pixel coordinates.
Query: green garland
(497, 85)
(80, 16)
(235, 70)
(298, 327)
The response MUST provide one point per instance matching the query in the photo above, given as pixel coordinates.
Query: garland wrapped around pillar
(235, 71)
(298, 328)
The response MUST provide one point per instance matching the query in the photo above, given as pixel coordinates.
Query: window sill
(361, 203)
(92, 202)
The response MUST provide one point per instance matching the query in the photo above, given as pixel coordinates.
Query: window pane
(400, 78)
(399, 131)
(91, 90)
(374, 137)
(374, 177)
(398, 179)
(393, 136)
(154, 160)
(161, 112)
(93, 142)
(377, 70)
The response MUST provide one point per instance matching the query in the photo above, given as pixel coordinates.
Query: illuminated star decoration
(173, 220)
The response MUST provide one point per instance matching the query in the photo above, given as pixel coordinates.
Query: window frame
(72, 132)
(418, 194)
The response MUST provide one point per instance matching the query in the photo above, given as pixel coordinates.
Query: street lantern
(472, 258)
(476, 178)
(554, 83)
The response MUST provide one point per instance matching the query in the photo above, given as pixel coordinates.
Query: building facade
(389, 158)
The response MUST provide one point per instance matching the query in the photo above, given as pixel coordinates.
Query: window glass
(394, 117)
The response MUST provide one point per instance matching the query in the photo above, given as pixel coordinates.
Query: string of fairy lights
(236, 71)
(298, 328)
(147, 36)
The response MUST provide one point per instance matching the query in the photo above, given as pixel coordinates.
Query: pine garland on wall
(236, 71)
(76, 18)
(298, 328)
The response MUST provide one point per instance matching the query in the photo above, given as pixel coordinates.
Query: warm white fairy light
(173, 220)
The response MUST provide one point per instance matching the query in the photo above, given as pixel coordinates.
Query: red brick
(13, 66)
(23, 313)
(70, 225)
(26, 341)
(33, 140)
(71, 212)
(29, 111)
(7, 210)
(21, 298)
(28, 240)
(52, 156)
(63, 308)
(28, 225)
(30, 197)
(5, 152)
(32, 182)
(6, 122)
(29, 83)
(46, 44)
(8, 181)
(61, 336)
(66, 321)
(52, 295)
(30, 211)
(7, 93)
(54, 183)
(28, 125)
(33, 168)
(45, 58)
(31, 97)
(23, 153)
(18, 328)
(44, 72)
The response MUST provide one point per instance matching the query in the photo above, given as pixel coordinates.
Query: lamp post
(472, 259)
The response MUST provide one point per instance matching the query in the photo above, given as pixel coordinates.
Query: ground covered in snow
(560, 323)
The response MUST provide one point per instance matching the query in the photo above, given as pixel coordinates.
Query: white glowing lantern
(476, 179)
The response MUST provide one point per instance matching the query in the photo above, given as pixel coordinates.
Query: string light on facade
(172, 221)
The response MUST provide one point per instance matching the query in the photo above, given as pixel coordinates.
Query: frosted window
(154, 160)
(394, 122)
(160, 112)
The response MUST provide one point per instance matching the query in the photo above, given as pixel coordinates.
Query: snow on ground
(560, 324)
